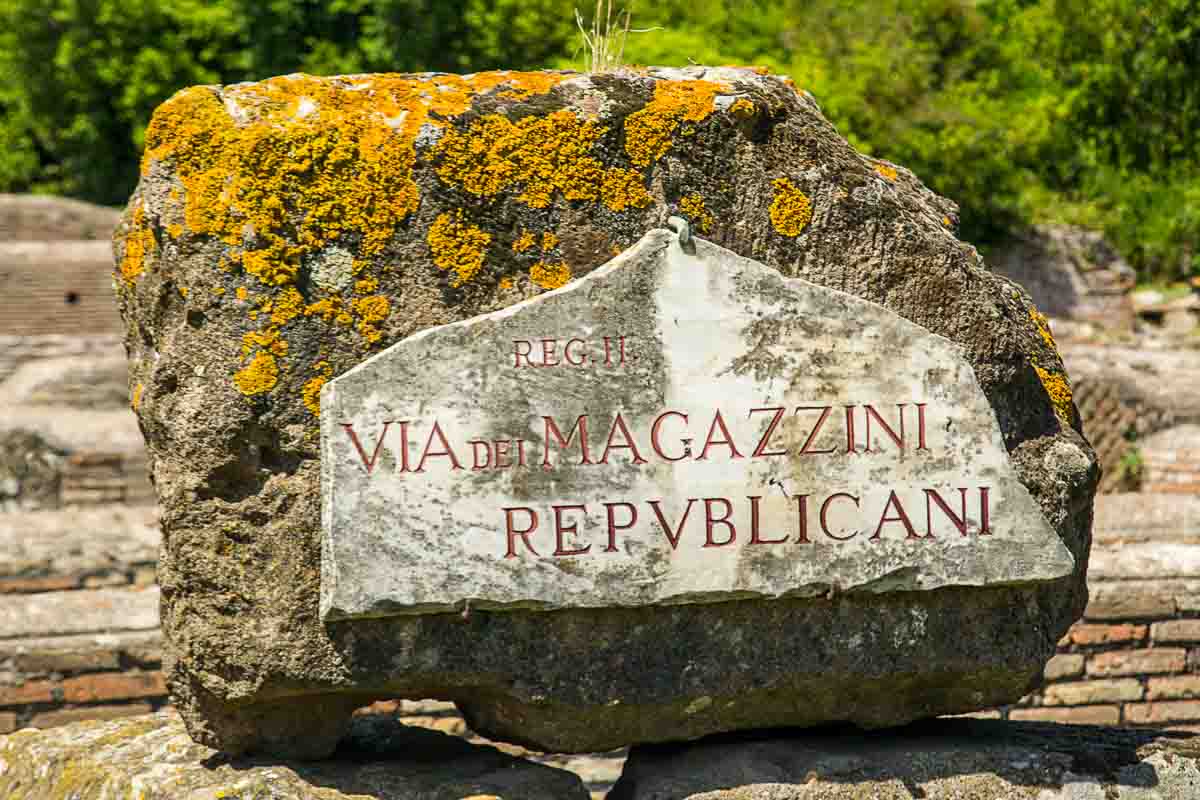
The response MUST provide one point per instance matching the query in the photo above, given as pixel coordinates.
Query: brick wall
(1134, 659)
(57, 287)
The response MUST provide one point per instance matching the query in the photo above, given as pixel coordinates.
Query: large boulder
(285, 231)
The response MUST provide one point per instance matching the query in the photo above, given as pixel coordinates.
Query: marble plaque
(682, 425)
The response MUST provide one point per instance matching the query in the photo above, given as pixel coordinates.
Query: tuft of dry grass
(604, 41)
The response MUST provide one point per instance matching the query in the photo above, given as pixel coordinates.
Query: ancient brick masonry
(1135, 657)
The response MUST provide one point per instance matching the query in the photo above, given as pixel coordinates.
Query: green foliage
(1023, 111)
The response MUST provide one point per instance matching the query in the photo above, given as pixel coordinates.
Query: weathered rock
(285, 231)
(151, 757)
(945, 759)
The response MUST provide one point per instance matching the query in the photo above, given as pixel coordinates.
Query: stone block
(946, 759)
(467, 210)
(1064, 665)
(1176, 687)
(78, 612)
(1162, 712)
(1120, 603)
(1137, 662)
(67, 716)
(1079, 715)
(153, 756)
(1093, 692)
(1176, 631)
(1088, 635)
(106, 686)
(30, 692)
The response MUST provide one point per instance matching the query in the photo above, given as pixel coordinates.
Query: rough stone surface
(151, 757)
(414, 201)
(714, 337)
(946, 759)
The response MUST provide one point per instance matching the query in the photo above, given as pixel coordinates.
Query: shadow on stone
(933, 759)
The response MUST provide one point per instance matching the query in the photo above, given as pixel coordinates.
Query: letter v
(370, 465)
(672, 537)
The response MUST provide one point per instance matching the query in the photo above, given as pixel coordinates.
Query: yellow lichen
(693, 206)
(624, 188)
(649, 132)
(742, 107)
(524, 242)
(330, 309)
(241, 293)
(310, 395)
(139, 243)
(549, 240)
(269, 341)
(790, 210)
(506, 283)
(259, 376)
(286, 306)
(365, 286)
(946, 221)
(886, 171)
(135, 397)
(183, 291)
(1043, 327)
(1058, 390)
(371, 311)
(549, 276)
(174, 230)
(458, 246)
(218, 290)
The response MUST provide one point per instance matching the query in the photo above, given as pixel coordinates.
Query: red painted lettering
(985, 514)
(710, 521)
(503, 457)
(709, 441)
(654, 433)
(613, 527)
(900, 517)
(368, 463)
(754, 537)
(560, 549)
(802, 513)
(551, 428)
(487, 455)
(812, 436)
(619, 424)
(513, 534)
(932, 498)
(851, 446)
(825, 512)
(582, 359)
(921, 426)
(761, 450)
(446, 450)
(549, 353)
(518, 355)
(873, 414)
(672, 537)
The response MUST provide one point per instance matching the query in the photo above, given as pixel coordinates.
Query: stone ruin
(331, 275)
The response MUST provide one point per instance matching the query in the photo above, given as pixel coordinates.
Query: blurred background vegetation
(1022, 111)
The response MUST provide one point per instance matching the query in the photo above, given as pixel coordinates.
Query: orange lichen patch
(268, 341)
(1058, 390)
(458, 246)
(648, 133)
(946, 221)
(524, 242)
(139, 243)
(886, 171)
(135, 397)
(528, 84)
(506, 283)
(330, 309)
(241, 293)
(285, 306)
(371, 311)
(624, 188)
(693, 206)
(742, 107)
(174, 230)
(541, 156)
(310, 395)
(1043, 326)
(183, 291)
(549, 276)
(790, 210)
(259, 376)
(218, 290)
(549, 240)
